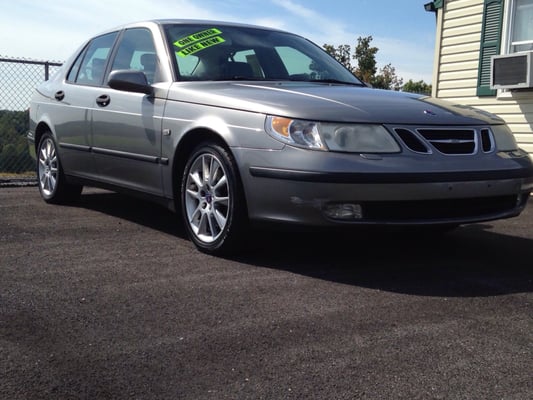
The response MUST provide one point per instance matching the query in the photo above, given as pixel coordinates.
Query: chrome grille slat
(447, 141)
(451, 141)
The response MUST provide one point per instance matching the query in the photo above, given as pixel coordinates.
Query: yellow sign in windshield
(198, 41)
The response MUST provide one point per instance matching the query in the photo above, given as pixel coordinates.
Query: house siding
(457, 67)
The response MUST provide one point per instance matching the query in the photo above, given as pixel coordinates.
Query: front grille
(487, 144)
(446, 141)
(412, 141)
(451, 141)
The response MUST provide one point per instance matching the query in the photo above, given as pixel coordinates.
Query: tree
(417, 87)
(387, 79)
(14, 156)
(365, 56)
(366, 59)
(342, 54)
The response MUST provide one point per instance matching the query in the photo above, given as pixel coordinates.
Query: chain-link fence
(18, 79)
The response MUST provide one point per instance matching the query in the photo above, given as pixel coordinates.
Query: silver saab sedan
(231, 125)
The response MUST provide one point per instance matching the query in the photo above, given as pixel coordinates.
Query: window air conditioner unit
(512, 71)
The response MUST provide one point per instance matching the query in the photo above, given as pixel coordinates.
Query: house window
(521, 26)
(518, 35)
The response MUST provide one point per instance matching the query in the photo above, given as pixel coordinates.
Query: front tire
(212, 200)
(52, 183)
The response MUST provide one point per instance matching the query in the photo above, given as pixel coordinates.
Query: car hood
(330, 102)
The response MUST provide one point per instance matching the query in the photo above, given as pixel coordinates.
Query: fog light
(344, 211)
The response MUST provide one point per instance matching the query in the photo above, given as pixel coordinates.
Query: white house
(472, 36)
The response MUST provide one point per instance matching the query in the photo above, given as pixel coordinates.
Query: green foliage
(342, 54)
(387, 79)
(366, 69)
(366, 59)
(14, 156)
(417, 87)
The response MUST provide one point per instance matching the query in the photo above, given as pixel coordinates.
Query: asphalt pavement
(107, 299)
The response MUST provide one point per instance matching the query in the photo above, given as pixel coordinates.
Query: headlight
(295, 132)
(351, 138)
(359, 139)
(504, 138)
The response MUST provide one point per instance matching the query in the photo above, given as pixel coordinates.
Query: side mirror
(129, 81)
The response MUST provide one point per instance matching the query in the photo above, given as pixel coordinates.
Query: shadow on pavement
(471, 261)
(135, 210)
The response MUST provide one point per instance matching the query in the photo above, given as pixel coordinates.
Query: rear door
(74, 105)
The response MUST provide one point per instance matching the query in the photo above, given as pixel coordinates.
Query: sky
(402, 30)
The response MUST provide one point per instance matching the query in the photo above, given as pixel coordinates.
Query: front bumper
(382, 192)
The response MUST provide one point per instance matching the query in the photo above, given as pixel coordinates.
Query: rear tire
(52, 183)
(212, 201)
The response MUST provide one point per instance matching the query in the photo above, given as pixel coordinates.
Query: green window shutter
(491, 35)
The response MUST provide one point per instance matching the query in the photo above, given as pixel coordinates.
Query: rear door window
(91, 69)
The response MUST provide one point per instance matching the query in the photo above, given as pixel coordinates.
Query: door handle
(59, 95)
(103, 100)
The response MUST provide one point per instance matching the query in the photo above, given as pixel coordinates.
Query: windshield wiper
(239, 78)
(336, 81)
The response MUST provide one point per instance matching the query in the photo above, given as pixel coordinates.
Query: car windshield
(212, 53)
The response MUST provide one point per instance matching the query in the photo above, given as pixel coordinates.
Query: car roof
(161, 22)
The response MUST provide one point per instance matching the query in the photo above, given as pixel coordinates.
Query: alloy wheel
(207, 198)
(48, 167)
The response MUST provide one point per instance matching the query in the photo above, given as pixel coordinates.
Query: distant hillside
(14, 155)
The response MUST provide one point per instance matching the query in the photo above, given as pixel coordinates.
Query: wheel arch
(231, 234)
(186, 145)
(40, 129)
